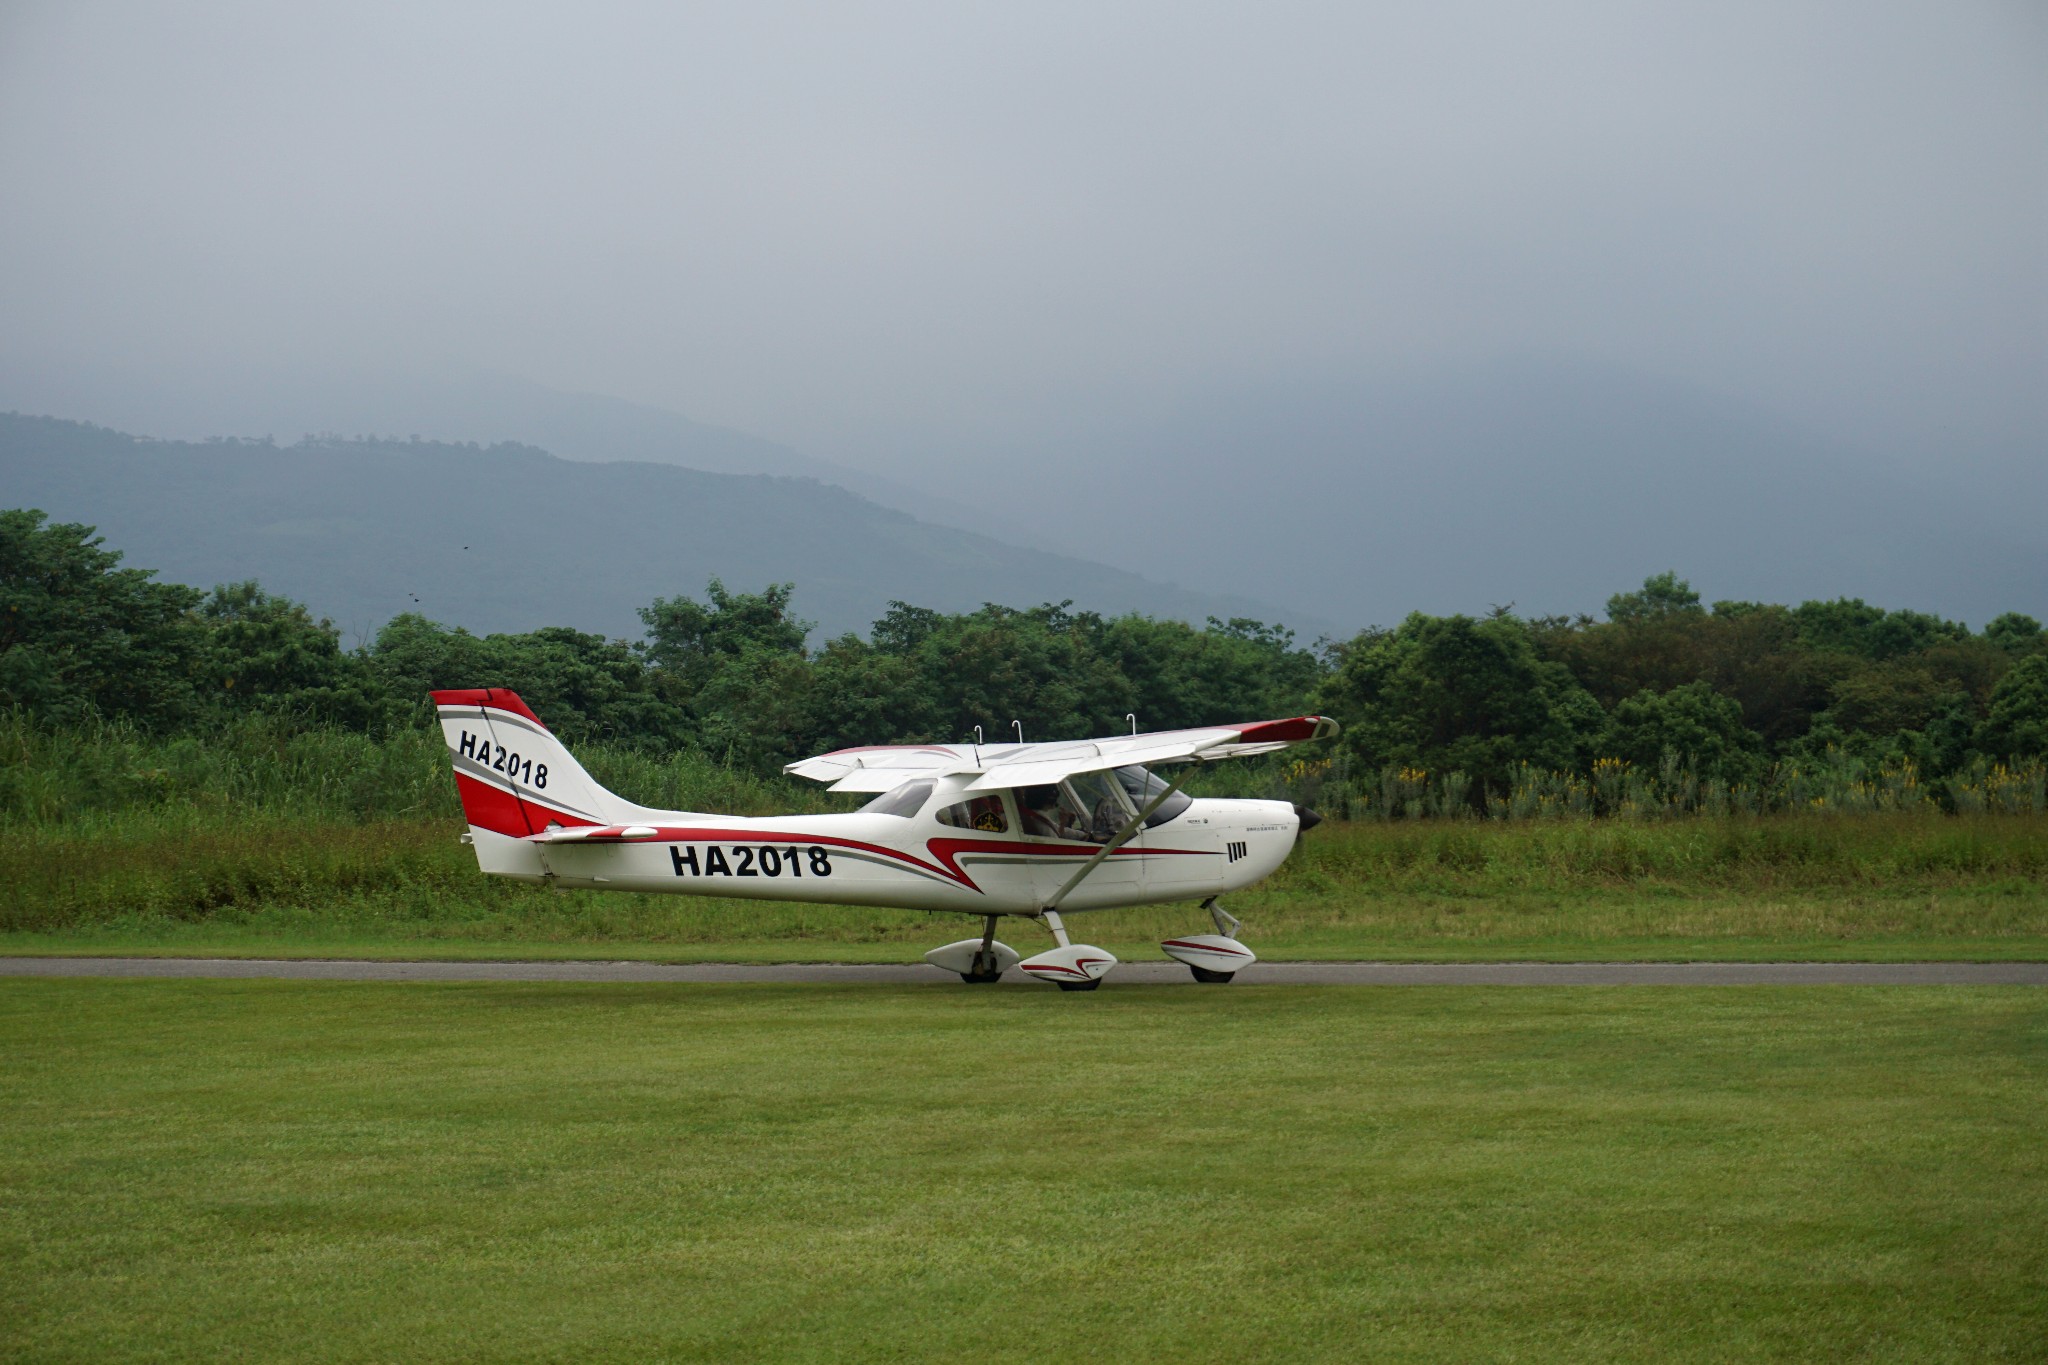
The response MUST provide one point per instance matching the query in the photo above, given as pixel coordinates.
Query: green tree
(582, 685)
(2017, 723)
(1181, 677)
(1849, 625)
(690, 640)
(1695, 722)
(1450, 693)
(2016, 634)
(268, 653)
(1662, 595)
(80, 633)
(1042, 667)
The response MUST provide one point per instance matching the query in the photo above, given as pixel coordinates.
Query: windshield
(906, 800)
(1142, 786)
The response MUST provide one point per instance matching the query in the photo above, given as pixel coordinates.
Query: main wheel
(1077, 985)
(980, 978)
(1209, 978)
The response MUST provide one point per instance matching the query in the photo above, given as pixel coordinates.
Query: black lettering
(468, 744)
(821, 862)
(714, 863)
(746, 857)
(771, 861)
(540, 775)
(529, 770)
(682, 858)
(499, 765)
(796, 864)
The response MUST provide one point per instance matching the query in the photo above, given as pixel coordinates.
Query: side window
(983, 813)
(1141, 786)
(906, 800)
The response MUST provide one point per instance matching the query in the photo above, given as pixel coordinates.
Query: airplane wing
(878, 768)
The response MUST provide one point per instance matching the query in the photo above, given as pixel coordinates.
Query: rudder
(514, 776)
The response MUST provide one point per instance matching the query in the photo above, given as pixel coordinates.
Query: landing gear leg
(1059, 936)
(987, 967)
(1212, 958)
(1226, 923)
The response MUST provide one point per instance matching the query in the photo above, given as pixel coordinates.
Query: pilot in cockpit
(1050, 812)
(1040, 812)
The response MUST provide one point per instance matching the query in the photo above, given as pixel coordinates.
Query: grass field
(200, 1170)
(181, 880)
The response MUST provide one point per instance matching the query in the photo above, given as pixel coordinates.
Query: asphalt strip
(1129, 973)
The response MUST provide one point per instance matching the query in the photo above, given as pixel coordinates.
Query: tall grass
(315, 831)
(1836, 783)
(265, 767)
(109, 821)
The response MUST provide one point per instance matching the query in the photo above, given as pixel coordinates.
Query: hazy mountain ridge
(510, 537)
(484, 407)
(1554, 484)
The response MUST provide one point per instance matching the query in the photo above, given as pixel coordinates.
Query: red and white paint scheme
(990, 830)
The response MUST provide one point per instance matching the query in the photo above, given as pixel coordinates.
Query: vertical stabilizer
(515, 777)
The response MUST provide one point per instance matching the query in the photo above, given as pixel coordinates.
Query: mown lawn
(269, 1170)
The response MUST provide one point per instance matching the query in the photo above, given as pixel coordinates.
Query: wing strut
(1123, 836)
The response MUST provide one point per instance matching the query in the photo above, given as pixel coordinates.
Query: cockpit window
(1084, 808)
(906, 800)
(1142, 786)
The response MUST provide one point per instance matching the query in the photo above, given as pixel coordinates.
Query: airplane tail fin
(515, 777)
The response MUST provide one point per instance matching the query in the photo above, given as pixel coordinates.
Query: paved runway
(1130, 973)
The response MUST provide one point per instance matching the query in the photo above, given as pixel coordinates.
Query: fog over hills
(510, 538)
(487, 408)
(1339, 503)
(1549, 485)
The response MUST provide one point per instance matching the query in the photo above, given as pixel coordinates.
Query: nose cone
(1309, 819)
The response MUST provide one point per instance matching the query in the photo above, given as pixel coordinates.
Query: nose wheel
(1212, 958)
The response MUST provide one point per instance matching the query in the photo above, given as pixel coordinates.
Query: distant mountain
(484, 407)
(509, 537)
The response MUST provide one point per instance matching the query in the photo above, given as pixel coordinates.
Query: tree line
(1729, 692)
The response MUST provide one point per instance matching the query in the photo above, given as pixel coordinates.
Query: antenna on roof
(977, 746)
(1019, 726)
(1132, 717)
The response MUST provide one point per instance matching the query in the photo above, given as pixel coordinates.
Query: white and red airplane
(983, 829)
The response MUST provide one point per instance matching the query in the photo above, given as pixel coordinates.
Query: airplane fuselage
(911, 861)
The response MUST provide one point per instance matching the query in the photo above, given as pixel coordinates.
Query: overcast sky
(903, 235)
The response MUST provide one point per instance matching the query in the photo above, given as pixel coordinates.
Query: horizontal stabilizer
(596, 834)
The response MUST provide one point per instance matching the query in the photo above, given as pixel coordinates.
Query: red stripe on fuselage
(946, 852)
